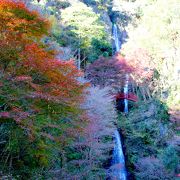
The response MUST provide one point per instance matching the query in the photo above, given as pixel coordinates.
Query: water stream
(116, 39)
(118, 163)
(126, 94)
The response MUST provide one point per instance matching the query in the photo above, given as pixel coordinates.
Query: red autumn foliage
(32, 71)
(141, 61)
(25, 58)
(4, 115)
(40, 96)
(16, 17)
(109, 72)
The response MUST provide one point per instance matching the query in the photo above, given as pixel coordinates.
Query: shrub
(151, 168)
(170, 158)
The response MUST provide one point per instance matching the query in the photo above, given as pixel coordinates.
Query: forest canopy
(89, 89)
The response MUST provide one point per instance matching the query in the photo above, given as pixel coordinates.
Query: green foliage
(96, 2)
(155, 29)
(54, 7)
(170, 158)
(84, 23)
(99, 48)
(85, 30)
(78, 26)
(62, 4)
(162, 112)
(159, 25)
(16, 144)
(146, 132)
(34, 145)
(151, 168)
(39, 112)
(90, 2)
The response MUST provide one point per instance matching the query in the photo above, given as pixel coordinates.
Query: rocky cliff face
(107, 21)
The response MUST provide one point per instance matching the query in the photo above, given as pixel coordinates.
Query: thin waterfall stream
(116, 39)
(126, 94)
(119, 170)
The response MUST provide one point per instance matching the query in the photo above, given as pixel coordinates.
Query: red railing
(129, 96)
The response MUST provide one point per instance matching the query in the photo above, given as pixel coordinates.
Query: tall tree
(84, 26)
(40, 95)
(158, 25)
(92, 151)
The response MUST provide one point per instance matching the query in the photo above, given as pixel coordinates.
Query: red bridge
(129, 96)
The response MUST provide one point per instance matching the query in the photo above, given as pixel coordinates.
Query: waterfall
(118, 47)
(116, 39)
(119, 169)
(126, 94)
(118, 163)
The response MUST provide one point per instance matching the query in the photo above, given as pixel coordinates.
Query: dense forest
(89, 89)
